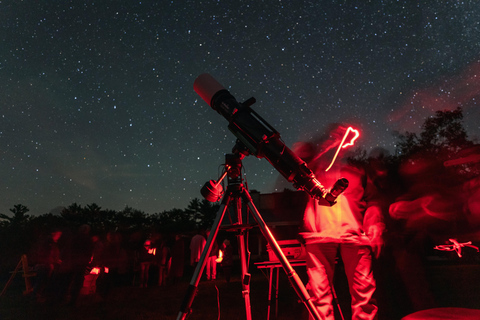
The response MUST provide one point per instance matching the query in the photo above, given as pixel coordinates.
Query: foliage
(440, 133)
(23, 230)
(19, 216)
(443, 138)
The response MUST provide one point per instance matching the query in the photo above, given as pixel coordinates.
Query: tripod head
(213, 190)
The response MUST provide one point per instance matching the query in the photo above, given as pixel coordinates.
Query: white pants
(212, 268)
(357, 260)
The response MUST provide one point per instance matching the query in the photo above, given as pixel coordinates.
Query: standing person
(197, 244)
(212, 260)
(163, 258)
(145, 258)
(227, 259)
(178, 259)
(352, 229)
(81, 250)
(48, 261)
(113, 258)
(97, 252)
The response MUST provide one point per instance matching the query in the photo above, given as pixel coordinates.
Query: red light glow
(95, 271)
(220, 257)
(352, 141)
(344, 145)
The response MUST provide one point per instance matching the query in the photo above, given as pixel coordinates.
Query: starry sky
(97, 102)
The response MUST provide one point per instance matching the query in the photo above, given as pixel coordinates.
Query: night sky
(97, 102)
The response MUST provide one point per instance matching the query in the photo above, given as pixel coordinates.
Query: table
(275, 266)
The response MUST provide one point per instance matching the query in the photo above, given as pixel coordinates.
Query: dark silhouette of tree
(193, 211)
(209, 212)
(201, 212)
(175, 220)
(73, 213)
(92, 214)
(19, 216)
(15, 237)
(443, 138)
(442, 134)
(130, 218)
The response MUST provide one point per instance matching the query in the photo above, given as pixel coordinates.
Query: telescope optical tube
(261, 139)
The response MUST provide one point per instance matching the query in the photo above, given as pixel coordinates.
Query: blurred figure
(197, 244)
(81, 253)
(48, 260)
(178, 259)
(227, 259)
(423, 213)
(212, 260)
(114, 259)
(431, 196)
(351, 229)
(97, 252)
(471, 187)
(163, 259)
(472, 191)
(145, 258)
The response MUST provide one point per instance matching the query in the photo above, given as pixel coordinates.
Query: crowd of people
(62, 259)
(222, 255)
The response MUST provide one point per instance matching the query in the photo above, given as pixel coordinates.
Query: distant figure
(81, 253)
(162, 257)
(97, 252)
(212, 261)
(48, 261)
(196, 247)
(227, 261)
(114, 259)
(145, 258)
(178, 259)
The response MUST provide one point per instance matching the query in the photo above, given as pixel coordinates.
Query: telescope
(254, 137)
(257, 137)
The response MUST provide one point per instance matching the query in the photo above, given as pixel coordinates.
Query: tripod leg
(192, 289)
(11, 277)
(243, 259)
(292, 275)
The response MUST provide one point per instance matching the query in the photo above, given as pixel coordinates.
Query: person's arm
(373, 219)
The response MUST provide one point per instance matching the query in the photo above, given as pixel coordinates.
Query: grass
(452, 286)
(213, 298)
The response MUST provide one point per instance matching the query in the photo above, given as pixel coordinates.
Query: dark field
(453, 286)
(213, 298)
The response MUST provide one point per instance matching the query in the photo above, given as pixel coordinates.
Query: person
(48, 260)
(178, 259)
(163, 258)
(114, 260)
(212, 260)
(352, 228)
(145, 258)
(97, 252)
(227, 261)
(197, 244)
(81, 250)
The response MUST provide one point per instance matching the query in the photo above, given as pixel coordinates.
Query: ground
(452, 285)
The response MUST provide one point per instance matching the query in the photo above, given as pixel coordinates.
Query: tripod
(234, 195)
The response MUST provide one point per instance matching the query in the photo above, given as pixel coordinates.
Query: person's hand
(374, 233)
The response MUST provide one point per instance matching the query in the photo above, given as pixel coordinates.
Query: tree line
(19, 230)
